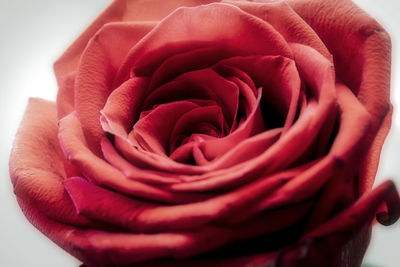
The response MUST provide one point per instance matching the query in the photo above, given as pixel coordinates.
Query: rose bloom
(191, 133)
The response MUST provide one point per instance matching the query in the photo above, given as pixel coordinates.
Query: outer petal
(361, 52)
(327, 243)
(99, 248)
(119, 10)
(370, 165)
(142, 216)
(69, 60)
(37, 166)
(66, 65)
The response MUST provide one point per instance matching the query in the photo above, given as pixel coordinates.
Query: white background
(33, 33)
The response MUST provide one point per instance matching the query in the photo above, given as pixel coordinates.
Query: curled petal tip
(393, 205)
(384, 218)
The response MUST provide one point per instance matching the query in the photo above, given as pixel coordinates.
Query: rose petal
(66, 65)
(349, 147)
(294, 143)
(249, 148)
(280, 83)
(370, 165)
(148, 160)
(154, 10)
(99, 248)
(123, 106)
(345, 154)
(188, 124)
(202, 84)
(119, 10)
(287, 22)
(131, 171)
(361, 50)
(360, 46)
(192, 60)
(191, 149)
(37, 164)
(253, 124)
(68, 62)
(240, 28)
(232, 72)
(65, 94)
(142, 216)
(95, 73)
(100, 172)
(336, 232)
(152, 132)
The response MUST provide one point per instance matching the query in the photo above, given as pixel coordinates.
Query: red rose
(223, 134)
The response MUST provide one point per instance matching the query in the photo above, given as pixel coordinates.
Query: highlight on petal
(65, 95)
